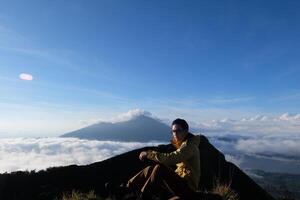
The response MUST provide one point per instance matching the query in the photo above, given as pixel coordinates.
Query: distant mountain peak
(135, 125)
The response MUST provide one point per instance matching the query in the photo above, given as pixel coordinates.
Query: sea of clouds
(285, 125)
(280, 147)
(258, 141)
(252, 142)
(40, 153)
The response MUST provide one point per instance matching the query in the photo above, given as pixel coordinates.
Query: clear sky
(91, 60)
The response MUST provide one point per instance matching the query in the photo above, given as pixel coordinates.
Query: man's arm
(183, 153)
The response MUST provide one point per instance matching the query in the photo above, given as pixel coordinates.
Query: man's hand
(143, 155)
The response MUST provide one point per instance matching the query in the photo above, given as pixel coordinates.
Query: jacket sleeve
(183, 153)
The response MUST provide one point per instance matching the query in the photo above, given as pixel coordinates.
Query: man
(183, 182)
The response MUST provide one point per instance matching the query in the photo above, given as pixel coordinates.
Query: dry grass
(76, 195)
(225, 192)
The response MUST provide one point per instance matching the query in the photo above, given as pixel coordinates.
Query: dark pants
(158, 178)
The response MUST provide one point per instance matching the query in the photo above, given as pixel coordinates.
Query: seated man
(183, 182)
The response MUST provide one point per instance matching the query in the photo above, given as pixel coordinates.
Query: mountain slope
(52, 182)
(278, 184)
(140, 128)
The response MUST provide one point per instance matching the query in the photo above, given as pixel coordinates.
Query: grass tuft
(225, 192)
(76, 195)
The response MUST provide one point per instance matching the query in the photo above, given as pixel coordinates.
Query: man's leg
(137, 181)
(162, 175)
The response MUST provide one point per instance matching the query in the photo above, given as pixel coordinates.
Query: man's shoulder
(197, 139)
(193, 139)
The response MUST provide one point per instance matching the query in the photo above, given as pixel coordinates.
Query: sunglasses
(177, 131)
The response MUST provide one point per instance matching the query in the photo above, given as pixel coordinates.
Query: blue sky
(201, 60)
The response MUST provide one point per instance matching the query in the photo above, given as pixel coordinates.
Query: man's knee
(157, 166)
(162, 171)
(148, 167)
(158, 169)
(144, 173)
(148, 170)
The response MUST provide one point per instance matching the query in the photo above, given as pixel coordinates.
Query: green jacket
(186, 158)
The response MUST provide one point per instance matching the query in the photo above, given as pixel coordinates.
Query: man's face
(178, 132)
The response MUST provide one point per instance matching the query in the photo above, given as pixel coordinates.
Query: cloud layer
(41, 153)
(271, 154)
(122, 117)
(130, 115)
(276, 137)
(281, 147)
(285, 124)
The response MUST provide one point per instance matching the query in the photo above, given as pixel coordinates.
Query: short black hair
(182, 123)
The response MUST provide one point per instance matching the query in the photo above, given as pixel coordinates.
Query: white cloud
(26, 77)
(257, 125)
(278, 154)
(130, 115)
(234, 159)
(40, 153)
(271, 146)
(126, 116)
(288, 117)
(252, 174)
